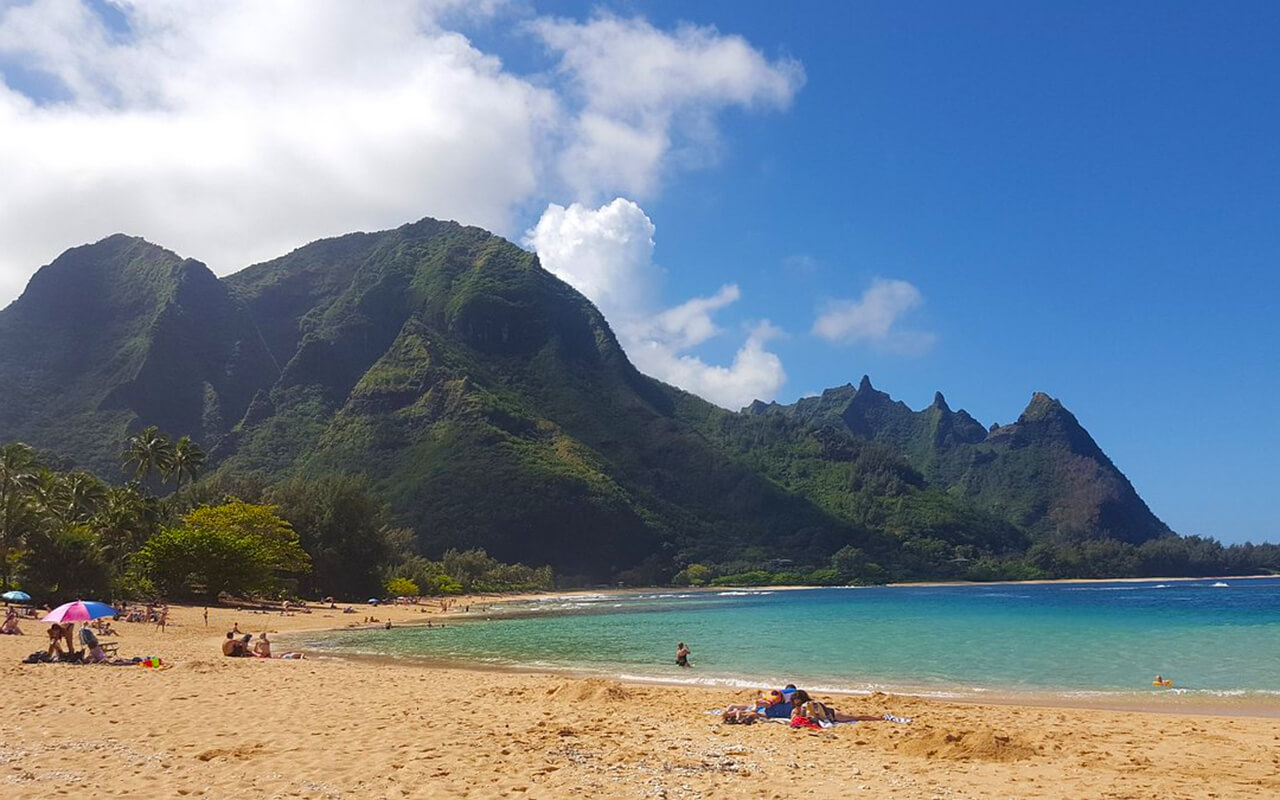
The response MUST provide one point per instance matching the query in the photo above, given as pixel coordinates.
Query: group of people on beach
(243, 645)
(91, 651)
(787, 703)
(790, 703)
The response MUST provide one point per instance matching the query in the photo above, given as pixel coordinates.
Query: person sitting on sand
(233, 647)
(262, 647)
(90, 640)
(55, 641)
(10, 625)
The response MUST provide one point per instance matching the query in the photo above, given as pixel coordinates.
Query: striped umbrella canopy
(79, 611)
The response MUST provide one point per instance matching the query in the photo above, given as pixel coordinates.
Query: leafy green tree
(468, 567)
(67, 563)
(148, 454)
(273, 537)
(444, 584)
(402, 587)
(235, 548)
(693, 575)
(343, 527)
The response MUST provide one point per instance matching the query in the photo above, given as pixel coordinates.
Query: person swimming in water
(682, 655)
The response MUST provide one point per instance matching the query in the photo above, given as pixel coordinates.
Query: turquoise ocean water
(1218, 640)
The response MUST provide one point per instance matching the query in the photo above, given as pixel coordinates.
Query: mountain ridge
(448, 366)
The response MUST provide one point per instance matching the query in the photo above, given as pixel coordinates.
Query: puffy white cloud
(234, 131)
(644, 92)
(873, 317)
(607, 254)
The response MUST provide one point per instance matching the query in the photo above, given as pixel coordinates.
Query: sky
(984, 198)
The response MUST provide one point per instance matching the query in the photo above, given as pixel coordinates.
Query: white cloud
(645, 92)
(234, 131)
(607, 254)
(754, 374)
(872, 318)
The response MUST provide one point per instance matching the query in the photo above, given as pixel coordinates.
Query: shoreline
(1178, 701)
(213, 727)
(1075, 700)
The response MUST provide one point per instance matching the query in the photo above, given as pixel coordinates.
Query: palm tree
(188, 459)
(84, 495)
(47, 494)
(124, 520)
(148, 453)
(17, 477)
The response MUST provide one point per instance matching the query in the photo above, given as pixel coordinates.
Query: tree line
(67, 534)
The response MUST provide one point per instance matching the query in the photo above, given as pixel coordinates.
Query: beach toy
(152, 662)
(1162, 683)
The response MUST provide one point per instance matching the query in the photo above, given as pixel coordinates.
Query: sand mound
(238, 753)
(982, 745)
(591, 689)
(203, 667)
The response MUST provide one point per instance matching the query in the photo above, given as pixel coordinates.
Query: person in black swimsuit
(682, 655)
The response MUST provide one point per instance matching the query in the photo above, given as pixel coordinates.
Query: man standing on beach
(682, 655)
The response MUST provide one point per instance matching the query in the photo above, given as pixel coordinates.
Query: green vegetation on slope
(439, 369)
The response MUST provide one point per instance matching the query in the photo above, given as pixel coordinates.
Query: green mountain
(491, 405)
(120, 334)
(1043, 473)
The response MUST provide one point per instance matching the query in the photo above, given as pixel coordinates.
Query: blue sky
(1082, 197)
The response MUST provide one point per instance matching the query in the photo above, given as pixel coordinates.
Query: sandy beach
(210, 726)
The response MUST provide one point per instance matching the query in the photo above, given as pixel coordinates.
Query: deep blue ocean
(1216, 639)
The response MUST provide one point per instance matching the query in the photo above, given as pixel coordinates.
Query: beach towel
(805, 722)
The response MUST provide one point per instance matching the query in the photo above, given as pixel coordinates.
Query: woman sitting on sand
(10, 625)
(55, 641)
(262, 647)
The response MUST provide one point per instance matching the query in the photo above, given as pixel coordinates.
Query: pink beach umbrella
(79, 611)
